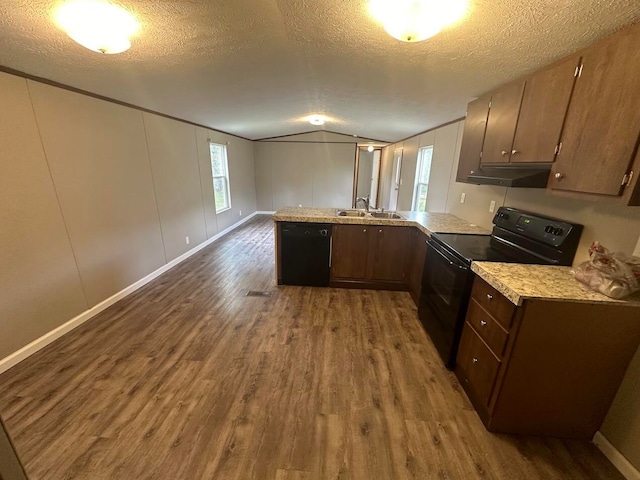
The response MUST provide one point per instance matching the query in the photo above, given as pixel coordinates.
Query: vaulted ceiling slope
(255, 67)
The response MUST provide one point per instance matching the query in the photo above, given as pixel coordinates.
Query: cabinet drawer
(479, 367)
(488, 328)
(498, 306)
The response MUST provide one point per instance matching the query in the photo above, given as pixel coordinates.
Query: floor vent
(257, 293)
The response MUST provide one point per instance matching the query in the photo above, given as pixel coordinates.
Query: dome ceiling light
(97, 25)
(417, 20)
(317, 120)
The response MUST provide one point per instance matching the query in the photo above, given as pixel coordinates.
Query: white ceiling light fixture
(370, 149)
(97, 25)
(317, 120)
(417, 20)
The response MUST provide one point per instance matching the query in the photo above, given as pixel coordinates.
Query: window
(425, 154)
(220, 171)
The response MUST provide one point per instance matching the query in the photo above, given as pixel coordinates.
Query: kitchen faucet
(364, 200)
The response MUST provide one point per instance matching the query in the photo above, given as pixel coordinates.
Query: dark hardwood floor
(190, 379)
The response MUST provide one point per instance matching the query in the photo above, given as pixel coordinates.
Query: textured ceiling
(254, 67)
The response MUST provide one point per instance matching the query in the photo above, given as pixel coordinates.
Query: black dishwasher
(305, 254)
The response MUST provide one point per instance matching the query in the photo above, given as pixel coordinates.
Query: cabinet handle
(558, 176)
(504, 152)
(513, 152)
(489, 297)
(483, 323)
(475, 360)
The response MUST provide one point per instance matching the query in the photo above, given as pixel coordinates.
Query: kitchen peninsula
(362, 251)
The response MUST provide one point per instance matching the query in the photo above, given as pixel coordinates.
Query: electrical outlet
(186, 240)
(636, 252)
(240, 212)
(300, 205)
(492, 206)
(463, 197)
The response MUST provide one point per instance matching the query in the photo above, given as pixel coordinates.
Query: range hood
(512, 176)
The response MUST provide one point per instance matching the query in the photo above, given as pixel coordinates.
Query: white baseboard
(265, 213)
(619, 461)
(39, 343)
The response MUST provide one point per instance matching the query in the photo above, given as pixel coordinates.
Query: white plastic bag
(613, 274)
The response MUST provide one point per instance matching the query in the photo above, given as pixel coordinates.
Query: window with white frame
(423, 171)
(220, 171)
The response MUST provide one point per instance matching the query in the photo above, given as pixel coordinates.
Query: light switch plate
(636, 252)
(463, 197)
(492, 206)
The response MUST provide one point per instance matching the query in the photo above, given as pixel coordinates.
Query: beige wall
(100, 167)
(87, 209)
(304, 173)
(173, 153)
(39, 285)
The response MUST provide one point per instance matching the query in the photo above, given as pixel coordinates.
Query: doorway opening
(367, 177)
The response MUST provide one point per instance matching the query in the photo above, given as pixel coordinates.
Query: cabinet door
(501, 124)
(473, 137)
(602, 126)
(350, 251)
(416, 263)
(544, 108)
(388, 253)
(478, 365)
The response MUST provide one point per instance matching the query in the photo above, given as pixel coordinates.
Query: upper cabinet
(544, 108)
(501, 125)
(473, 137)
(600, 137)
(580, 115)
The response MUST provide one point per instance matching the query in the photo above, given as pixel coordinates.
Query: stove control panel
(549, 231)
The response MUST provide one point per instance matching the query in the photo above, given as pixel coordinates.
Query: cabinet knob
(558, 176)
(504, 152)
(364, 230)
(513, 152)
(472, 172)
(489, 297)
(475, 360)
(380, 231)
(483, 323)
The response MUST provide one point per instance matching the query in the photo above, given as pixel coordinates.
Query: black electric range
(517, 237)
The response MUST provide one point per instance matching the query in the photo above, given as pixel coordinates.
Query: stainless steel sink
(388, 215)
(350, 213)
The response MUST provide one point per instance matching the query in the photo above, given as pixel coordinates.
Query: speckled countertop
(521, 282)
(427, 222)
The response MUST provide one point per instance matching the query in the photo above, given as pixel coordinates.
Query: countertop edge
(468, 228)
(518, 298)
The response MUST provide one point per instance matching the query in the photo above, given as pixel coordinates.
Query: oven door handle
(451, 262)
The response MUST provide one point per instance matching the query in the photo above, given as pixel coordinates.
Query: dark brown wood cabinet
(502, 122)
(543, 111)
(602, 128)
(350, 251)
(416, 263)
(370, 256)
(389, 249)
(546, 367)
(475, 126)
(578, 114)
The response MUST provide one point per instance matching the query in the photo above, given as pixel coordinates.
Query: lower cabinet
(370, 256)
(416, 263)
(547, 368)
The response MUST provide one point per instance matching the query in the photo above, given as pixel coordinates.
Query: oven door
(446, 286)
